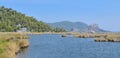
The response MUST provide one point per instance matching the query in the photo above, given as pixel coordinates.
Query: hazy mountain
(69, 26)
(95, 28)
(77, 26)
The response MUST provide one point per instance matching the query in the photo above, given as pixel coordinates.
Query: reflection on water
(23, 53)
(55, 46)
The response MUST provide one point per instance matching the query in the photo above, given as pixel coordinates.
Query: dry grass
(10, 43)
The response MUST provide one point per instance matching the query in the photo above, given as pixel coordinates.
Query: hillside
(11, 21)
(69, 25)
(77, 26)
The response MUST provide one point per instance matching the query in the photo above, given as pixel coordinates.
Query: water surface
(55, 46)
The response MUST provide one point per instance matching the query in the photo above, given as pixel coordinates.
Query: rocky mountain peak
(94, 26)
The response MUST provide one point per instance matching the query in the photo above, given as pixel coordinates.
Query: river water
(55, 46)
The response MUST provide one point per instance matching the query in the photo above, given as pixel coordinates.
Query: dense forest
(11, 21)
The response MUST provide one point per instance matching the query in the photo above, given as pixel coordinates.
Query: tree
(9, 19)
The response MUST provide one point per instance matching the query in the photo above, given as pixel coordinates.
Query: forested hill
(11, 21)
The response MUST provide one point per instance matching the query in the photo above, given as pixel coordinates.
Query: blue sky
(106, 13)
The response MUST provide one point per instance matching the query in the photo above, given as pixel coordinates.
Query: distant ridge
(77, 26)
(14, 21)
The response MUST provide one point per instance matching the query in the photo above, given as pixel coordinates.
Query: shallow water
(55, 46)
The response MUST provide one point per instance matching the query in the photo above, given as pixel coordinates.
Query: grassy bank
(109, 36)
(11, 43)
(100, 37)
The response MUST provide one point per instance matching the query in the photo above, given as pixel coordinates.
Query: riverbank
(101, 37)
(55, 46)
(98, 37)
(12, 43)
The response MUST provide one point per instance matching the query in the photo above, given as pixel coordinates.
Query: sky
(106, 13)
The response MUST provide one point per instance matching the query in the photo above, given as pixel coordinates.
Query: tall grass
(10, 44)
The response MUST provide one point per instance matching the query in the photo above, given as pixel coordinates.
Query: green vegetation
(59, 30)
(11, 21)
